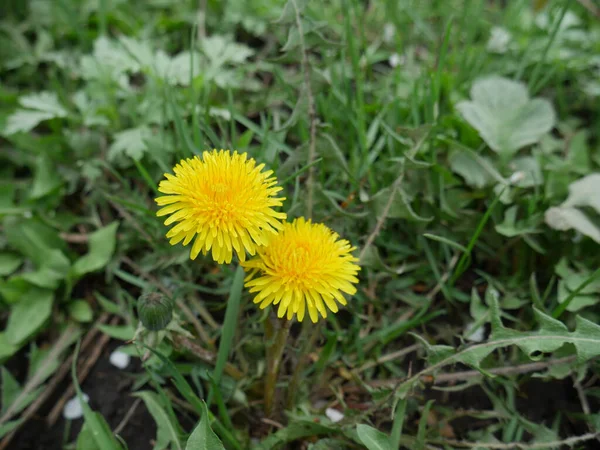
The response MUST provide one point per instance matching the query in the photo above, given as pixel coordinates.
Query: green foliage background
(456, 146)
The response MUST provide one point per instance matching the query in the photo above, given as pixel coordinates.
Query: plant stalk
(276, 346)
(309, 343)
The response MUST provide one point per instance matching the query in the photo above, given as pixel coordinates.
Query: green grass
(464, 213)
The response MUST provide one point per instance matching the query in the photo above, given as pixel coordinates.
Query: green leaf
(297, 429)
(28, 315)
(400, 207)
(36, 241)
(551, 336)
(166, 433)
(80, 311)
(568, 215)
(203, 437)
(373, 438)
(131, 143)
(9, 262)
(527, 172)
(10, 389)
(230, 324)
(13, 396)
(7, 349)
(102, 246)
(120, 332)
(505, 117)
(7, 427)
(46, 178)
(42, 106)
(471, 168)
(99, 429)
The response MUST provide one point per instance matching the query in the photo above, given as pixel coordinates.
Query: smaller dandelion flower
(224, 202)
(306, 266)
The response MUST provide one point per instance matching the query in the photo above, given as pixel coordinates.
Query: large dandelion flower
(305, 266)
(224, 200)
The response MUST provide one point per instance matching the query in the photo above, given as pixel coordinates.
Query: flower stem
(275, 348)
(309, 342)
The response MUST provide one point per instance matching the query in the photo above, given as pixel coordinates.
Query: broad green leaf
(566, 218)
(373, 438)
(203, 437)
(505, 117)
(527, 172)
(102, 246)
(6, 348)
(582, 193)
(85, 439)
(471, 168)
(9, 262)
(35, 240)
(120, 332)
(166, 433)
(80, 311)
(46, 178)
(28, 315)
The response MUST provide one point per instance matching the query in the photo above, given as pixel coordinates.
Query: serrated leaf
(203, 437)
(131, 143)
(220, 51)
(551, 335)
(400, 207)
(24, 120)
(166, 433)
(44, 101)
(102, 246)
(373, 438)
(505, 117)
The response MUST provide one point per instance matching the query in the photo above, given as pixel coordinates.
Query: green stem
(275, 347)
(302, 358)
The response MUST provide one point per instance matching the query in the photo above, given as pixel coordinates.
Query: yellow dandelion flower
(305, 266)
(224, 200)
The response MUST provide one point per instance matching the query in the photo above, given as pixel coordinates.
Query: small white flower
(474, 336)
(73, 408)
(389, 30)
(395, 60)
(499, 40)
(119, 359)
(516, 177)
(334, 415)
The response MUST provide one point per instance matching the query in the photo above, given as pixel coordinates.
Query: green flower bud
(155, 311)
